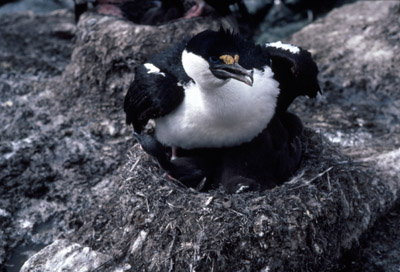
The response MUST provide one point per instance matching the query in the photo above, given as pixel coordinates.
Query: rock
(357, 50)
(30, 68)
(61, 255)
(283, 18)
(379, 247)
(37, 6)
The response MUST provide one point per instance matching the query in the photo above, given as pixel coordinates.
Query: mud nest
(153, 224)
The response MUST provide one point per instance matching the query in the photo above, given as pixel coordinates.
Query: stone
(62, 255)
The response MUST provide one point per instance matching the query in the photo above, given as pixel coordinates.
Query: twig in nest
(136, 163)
(312, 179)
(200, 186)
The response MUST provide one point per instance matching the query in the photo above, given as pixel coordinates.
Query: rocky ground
(37, 6)
(64, 170)
(358, 59)
(46, 143)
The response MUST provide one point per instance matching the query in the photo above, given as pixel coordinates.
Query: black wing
(296, 73)
(153, 95)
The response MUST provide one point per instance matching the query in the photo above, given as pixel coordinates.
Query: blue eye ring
(214, 59)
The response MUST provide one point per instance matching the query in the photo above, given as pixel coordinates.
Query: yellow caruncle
(228, 59)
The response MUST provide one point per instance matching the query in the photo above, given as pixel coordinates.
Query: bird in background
(158, 12)
(219, 104)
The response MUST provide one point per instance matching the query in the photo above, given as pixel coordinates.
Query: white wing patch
(285, 46)
(151, 69)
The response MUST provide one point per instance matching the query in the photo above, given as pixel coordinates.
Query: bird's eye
(214, 60)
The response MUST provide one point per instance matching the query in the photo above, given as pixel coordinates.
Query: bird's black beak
(235, 71)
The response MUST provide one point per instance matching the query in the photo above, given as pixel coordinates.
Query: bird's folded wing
(295, 70)
(158, 87)
(151, 95)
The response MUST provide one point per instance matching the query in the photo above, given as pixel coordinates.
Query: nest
(149, 223)
(154, 224)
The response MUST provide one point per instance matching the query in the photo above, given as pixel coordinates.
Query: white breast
(227, 116)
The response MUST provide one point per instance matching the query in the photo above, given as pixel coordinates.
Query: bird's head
(211, 59)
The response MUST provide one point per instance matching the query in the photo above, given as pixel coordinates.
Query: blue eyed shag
(219, 104)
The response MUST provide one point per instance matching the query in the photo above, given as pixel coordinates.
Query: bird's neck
(222, 98)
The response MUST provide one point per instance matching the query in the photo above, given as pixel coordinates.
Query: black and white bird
(220, 103)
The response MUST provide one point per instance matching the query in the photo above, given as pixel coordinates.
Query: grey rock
(37, 6)
(287, 17)
(29, 68)
(62, 255)
(357, 50)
